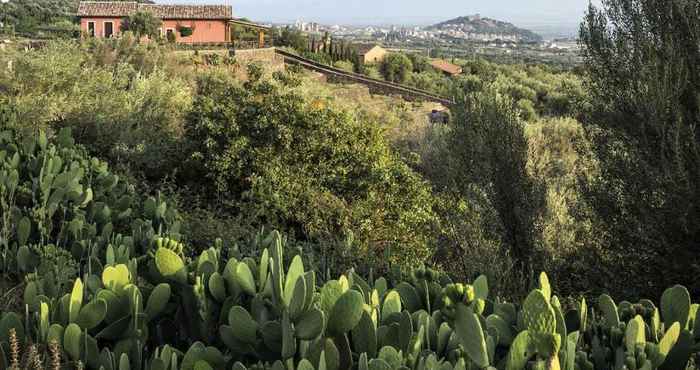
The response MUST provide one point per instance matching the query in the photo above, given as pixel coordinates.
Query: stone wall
(267, 56)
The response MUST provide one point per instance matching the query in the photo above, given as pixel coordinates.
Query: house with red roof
(190, 24)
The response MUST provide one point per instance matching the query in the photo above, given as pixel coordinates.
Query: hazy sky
(526, 13)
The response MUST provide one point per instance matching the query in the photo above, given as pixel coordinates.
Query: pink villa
(201, 23)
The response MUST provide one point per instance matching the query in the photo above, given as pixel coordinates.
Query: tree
(142, 24)
(641, 59)
(420, 62)
(292, 38)
(305, 166)
(396, 67)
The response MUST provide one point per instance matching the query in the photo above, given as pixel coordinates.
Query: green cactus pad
(55, 333)
(675, 306)
(24, 229)
(158, 300)
(71, 341)
(245, 328)
(296, 270)
(305, 364)
(379, 364)
(364, 336)
(310, 324)
(520, 352)
(92, 314)
(607, 306)
(544, 285)
(680, 353)
(169, 264)
(217, 287)
(9, 321)
(666, 344)
(409, 296)
(471, 336)
(538, 314)
(391, 305)
(116, 277)
(505, 334)
(297, 302)
(76, 301)
(481, 287)
(635, 334)
(244, 278)
(330, 292)
(289, 343)
(346, 313)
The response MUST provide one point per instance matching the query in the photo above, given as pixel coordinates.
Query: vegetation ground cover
(154, 178)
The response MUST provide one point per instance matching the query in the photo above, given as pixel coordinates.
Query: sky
(524, 13)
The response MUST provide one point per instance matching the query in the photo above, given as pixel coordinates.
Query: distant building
(370, 53)
(204, 23)
(446, 67)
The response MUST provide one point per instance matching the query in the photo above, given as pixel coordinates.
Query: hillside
(476, 27)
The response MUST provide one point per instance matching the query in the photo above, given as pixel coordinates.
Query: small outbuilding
(370, 53)
(446, 67)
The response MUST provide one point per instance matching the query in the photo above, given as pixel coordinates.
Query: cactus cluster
(52, 195)
(139, 301)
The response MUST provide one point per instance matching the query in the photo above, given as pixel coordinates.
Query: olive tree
(142, 24)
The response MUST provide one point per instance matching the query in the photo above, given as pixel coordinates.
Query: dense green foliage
(641, 61)
(589, 175)
(146, 24)
(396, 67)
(290, 38)
(271, 154)
(254, 154)
(141, 302)
(42, 18)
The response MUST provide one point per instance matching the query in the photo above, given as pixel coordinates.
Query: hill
(487, 29)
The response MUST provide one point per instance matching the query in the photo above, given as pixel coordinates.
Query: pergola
(258, 27)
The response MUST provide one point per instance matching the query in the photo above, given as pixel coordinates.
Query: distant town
(464, 36)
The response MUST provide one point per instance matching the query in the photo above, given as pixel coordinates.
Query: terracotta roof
(124, 9)
(445, 66)
(106, 9)
(363, 49)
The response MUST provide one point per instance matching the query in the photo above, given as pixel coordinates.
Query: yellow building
(370, 53)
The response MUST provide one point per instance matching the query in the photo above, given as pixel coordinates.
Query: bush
(108, 95)
(527, 110)
(344, 65)
(298, 165)
(488, 129)
(396, 67)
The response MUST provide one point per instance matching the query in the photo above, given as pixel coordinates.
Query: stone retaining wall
(267, 56)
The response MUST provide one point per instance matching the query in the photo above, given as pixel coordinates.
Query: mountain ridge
(484, 28)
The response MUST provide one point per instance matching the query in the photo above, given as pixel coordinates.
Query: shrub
(304, 167)
(116, 106)
(396, 67)
(344, 65)
(142, 23)
(527, 110)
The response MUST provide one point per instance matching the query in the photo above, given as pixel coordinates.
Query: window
(108, 29)
(91, 29)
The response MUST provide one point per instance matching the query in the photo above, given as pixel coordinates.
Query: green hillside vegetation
(162, 209)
